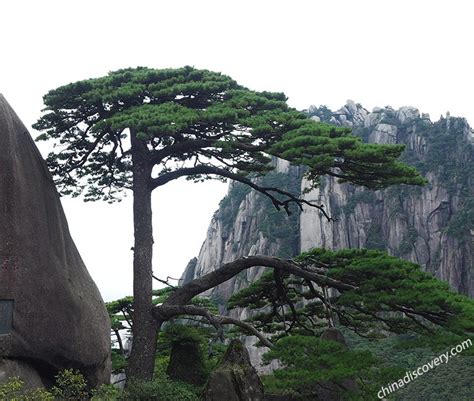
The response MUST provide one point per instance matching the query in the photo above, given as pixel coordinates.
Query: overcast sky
(377, 53)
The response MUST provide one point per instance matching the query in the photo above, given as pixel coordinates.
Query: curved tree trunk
(142, 357)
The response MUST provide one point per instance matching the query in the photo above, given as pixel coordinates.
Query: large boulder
(51, 313)
(235, 379)
(333, 334)
(187, 363)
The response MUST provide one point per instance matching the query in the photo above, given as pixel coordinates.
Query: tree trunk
(119, 340)
(142, 357)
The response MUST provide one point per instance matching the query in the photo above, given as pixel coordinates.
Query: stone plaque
(6, 315)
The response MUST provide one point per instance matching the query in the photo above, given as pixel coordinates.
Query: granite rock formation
(187, 363)
(235, 379)
(17, 368)
(51, 313)
(432, 225)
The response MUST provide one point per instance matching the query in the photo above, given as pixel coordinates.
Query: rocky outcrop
(333, 334)
(52, 315)
(187, 363)
(431, 225)
(235, 379)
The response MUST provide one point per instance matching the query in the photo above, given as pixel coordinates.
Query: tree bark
(142, 357)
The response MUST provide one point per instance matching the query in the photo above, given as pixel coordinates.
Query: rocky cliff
(246, 223)
(432, 225)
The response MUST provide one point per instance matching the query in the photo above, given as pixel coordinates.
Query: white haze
(318, 52)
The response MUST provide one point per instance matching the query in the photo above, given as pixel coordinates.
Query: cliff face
(432, 225)
(246, 223)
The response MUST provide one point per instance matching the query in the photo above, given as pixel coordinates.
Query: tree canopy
(375, 294)
(195, 123)
(378, 301)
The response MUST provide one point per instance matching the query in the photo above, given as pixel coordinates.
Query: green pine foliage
(323, 148)
(312, 364)
(198, 116)
(395, 316)
(389, 294)
(388, 284)
(447, 381)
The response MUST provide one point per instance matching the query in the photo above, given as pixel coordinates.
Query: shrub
(160, 389)
(12, 390)
(106, 392)
(70, 385)
(10, 387)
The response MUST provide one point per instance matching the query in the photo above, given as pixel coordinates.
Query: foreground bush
(12, 390)
(160, 389)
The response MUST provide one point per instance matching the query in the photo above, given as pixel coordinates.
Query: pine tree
(141, 128)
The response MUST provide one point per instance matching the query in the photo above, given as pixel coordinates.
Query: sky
(376, 53)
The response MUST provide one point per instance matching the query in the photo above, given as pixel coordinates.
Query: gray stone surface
(235, 379)
(333, 334)
(14, 368)
(59, 318)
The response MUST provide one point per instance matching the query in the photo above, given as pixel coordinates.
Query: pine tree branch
(166, 312)
(199, 285)
(270, 192)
